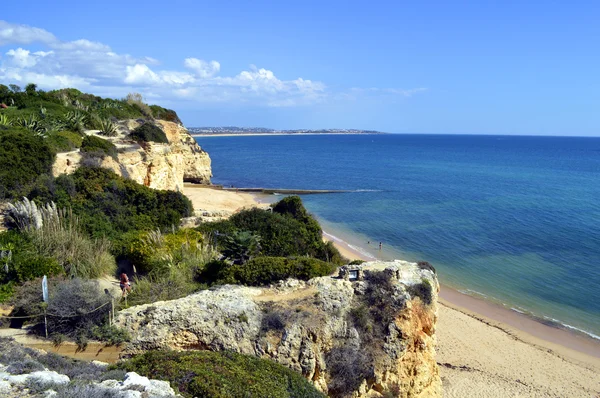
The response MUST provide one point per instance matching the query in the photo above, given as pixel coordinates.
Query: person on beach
(125, 284)
(380, 245)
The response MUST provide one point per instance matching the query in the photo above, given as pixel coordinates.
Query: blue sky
(423, 67)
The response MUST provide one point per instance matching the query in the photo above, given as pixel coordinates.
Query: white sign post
(45, 297)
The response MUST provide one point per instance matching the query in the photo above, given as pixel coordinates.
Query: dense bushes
(23, 157)
(110, 205)
(97, 146)
(170, 262)
(64, 141)
(265, 270)
(286, 231)
(57, 103)
(149, 132)
(165, 114)
(221, 375)
(25, 261)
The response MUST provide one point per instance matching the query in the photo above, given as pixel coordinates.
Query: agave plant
(107, 128)
(43, 112)
(75, 121)
(32, 124)
(5, 121)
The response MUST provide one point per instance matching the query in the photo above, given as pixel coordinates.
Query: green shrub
(64, 141)
(7, 291)
(27, 301)
(23, 157)
(287, 231)
(26, 262)
(221, 375)
(165, 114)
(149, 132)
(152, 288)
(111, 335)
(108, 205)
(265, 270)
(97, 146)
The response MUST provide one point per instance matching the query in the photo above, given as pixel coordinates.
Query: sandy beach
(216, 200)
(484, 350)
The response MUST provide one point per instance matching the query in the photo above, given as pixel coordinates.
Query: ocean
(514, 220)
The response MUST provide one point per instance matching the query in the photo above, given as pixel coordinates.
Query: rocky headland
(367, 337)
(155, 165)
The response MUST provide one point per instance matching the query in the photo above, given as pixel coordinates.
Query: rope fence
(55, 315)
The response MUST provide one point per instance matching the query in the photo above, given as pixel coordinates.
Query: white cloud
(141, 74)
(95, 67)
(23, 34)
(202, 68)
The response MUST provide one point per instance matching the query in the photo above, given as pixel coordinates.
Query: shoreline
(280, 134)
(521, 325)
(482, 346)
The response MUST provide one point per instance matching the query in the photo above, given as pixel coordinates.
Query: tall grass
(60, 236)
(57, 233)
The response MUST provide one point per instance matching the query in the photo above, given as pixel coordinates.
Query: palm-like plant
(241, 246)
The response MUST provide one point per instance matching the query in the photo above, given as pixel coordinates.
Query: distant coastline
(254, 131)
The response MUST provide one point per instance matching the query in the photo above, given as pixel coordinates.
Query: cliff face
(158, 166)
(364, 338)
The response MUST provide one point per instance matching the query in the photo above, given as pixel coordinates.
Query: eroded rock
(369, 337)
(156, 165)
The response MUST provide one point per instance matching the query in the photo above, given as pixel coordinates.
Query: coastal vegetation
(148, 132)
(93, 224)
(98, 147)
(221, 375)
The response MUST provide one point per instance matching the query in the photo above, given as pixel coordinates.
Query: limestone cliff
(156, 165)
(371, 337)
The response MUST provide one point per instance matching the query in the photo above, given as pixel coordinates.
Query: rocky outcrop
(156, 165)
(371, 337)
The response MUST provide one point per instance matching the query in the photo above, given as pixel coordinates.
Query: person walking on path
(125, 284)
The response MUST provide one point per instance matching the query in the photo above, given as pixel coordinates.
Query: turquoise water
(513, 219)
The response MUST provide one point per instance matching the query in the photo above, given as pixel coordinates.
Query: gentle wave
(355, 248)
(590, 334)
(553, 321)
